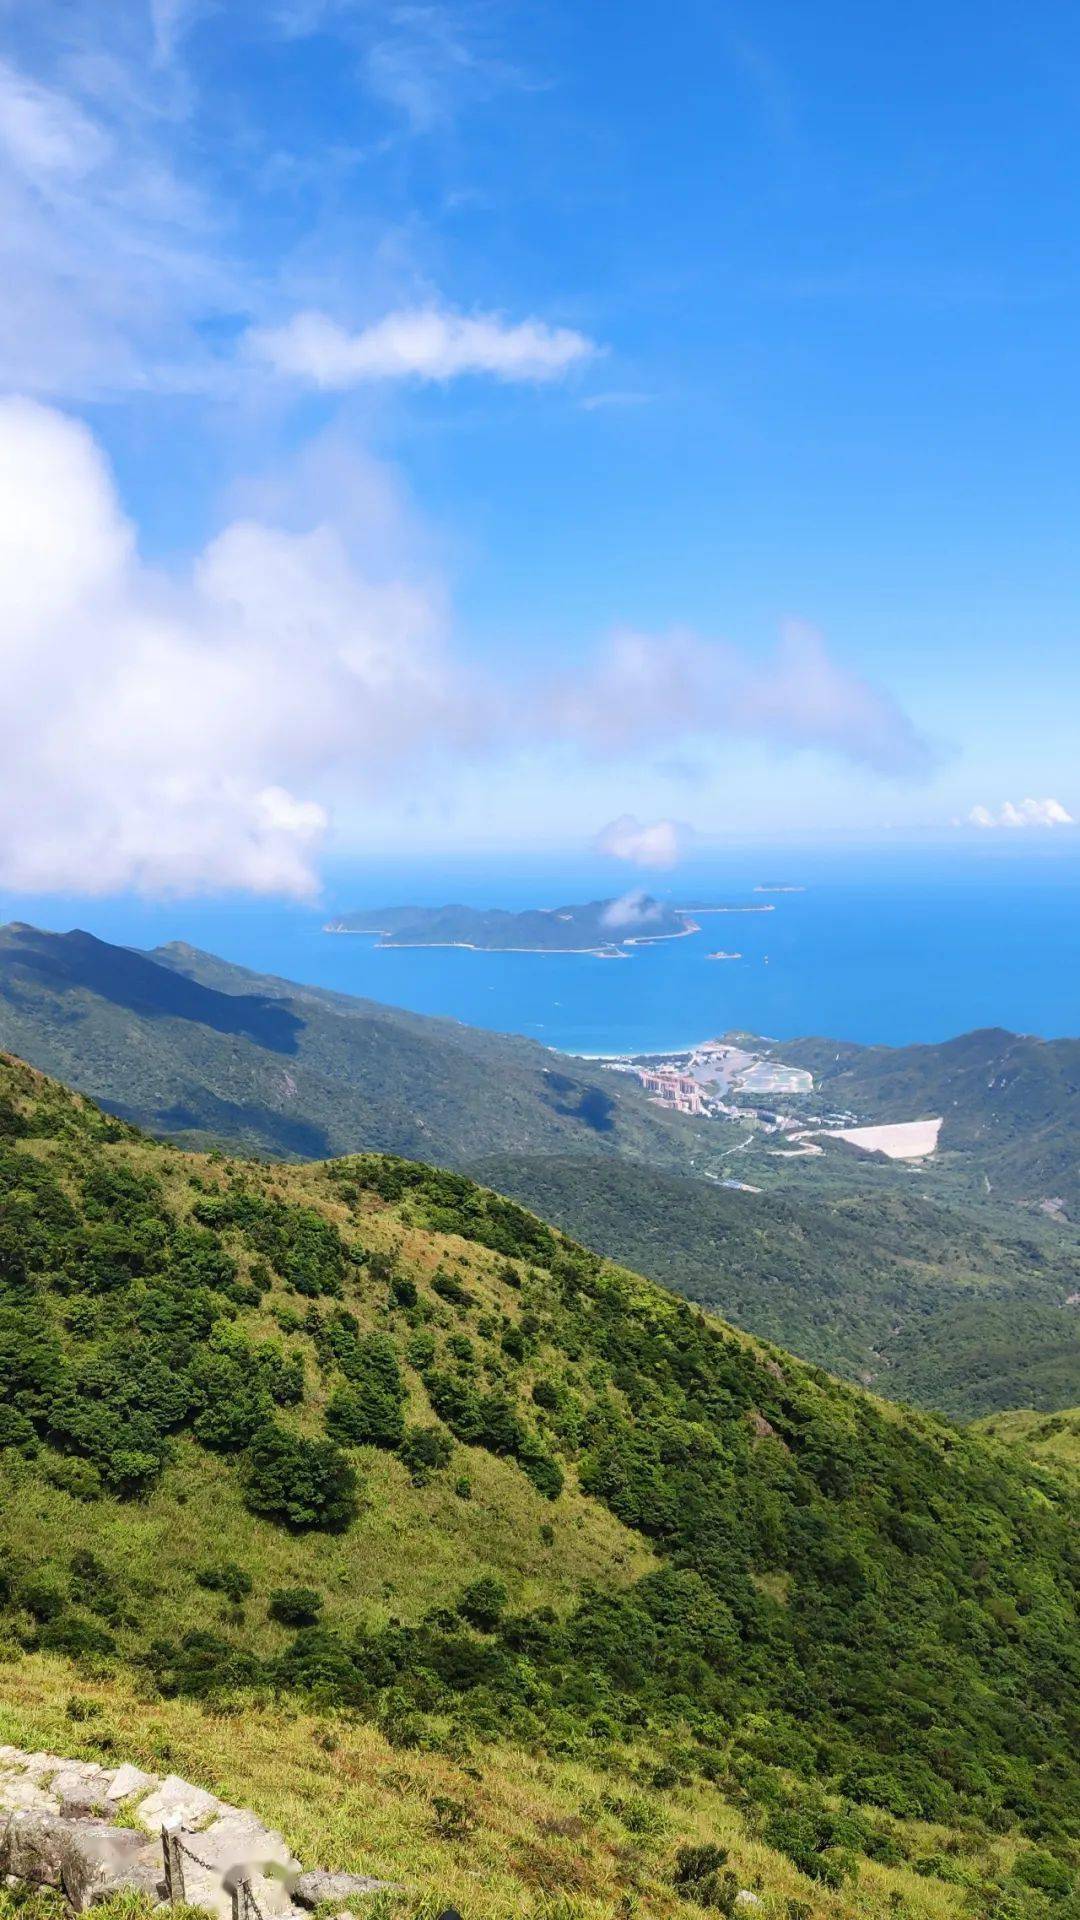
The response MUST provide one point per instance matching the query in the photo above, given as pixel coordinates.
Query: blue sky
(460, 425)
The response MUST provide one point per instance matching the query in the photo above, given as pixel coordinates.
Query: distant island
(601, 927)
(730, 906)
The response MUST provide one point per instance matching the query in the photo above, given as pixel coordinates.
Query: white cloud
(424, 343)
(110, 260)
(188, 735)
(634, 909)
(1027, 813)
(647, 690)
(44, 134)
(198, 732)
(662, 844)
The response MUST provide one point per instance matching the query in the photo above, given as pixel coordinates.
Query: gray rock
(96, 1856)
(234, 1847)
(81, 1788)
(176, 1800)
(128, 1780)
(312, 1888)
(32, 1846)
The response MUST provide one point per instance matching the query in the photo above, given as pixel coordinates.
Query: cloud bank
(185, 735)
(425, 343)
(1028, 813)
(197, 732)
(662, 844)
(648, 688)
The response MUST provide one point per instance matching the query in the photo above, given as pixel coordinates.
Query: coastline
(387, 944)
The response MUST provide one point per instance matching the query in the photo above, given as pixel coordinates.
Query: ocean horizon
(893, 948)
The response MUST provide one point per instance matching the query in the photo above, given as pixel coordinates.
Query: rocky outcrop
(58, 1829)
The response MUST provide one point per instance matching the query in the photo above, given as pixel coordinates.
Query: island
(730, 906)
(600, 927)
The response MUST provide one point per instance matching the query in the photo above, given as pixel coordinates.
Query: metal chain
(251, 1900)
(212, 1866)
(209, 1866)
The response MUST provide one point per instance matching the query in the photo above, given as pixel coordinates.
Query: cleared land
(903, 1140)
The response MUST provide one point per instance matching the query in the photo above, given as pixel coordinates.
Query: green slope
(1010, 1103)
(922, 1301)
(364, 1434)
(188, 1046)
(1052, 1441)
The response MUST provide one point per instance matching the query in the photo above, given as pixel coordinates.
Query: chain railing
(176, 1848)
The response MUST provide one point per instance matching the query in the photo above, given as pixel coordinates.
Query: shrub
(1041, 1870)
(17, 1431)
(227, 1578)
(44, 1598)
(302, 1483)
(483, 1603)
(367, 1412)
(74, 1635)
(295, 1606)
(544, 1472)
(424, 1450)
(700, 1876)
(452, 1290)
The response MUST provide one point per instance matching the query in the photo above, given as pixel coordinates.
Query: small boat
(723, 956)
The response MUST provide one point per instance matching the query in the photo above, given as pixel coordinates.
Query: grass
(1053, 1440)
(500, 1835)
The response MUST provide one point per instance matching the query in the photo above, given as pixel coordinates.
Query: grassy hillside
(1053, 1441)
(190, 1047)
(1009, 1102)
(923, 1302)
(570, 1580)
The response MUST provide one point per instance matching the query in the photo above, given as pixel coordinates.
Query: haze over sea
(894, 946)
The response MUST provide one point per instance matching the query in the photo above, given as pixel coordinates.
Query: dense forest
(232, 1391)
(963, 1312)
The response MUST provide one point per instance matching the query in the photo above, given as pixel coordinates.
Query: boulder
(128, 1780)
(97, 1859)
(177, 1802)
(234, 1847)
(311, 1889)
(32, 1846)
(19, 1790)
(81, 1787)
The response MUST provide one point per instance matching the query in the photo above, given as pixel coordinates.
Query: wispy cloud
(198, 731)
(1025, 813)
(647, 690)
(423, 344)
(662, 843)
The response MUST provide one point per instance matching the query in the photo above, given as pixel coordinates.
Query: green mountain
(599, 1605)
(1010, 1103)
(925, 1301)
(1052, 1441)
(598, 926)
(191, 1047)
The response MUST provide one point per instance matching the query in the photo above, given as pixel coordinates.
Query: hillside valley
(929, 1302)
(359, 1453)
(935, 1292)
(191, 1047)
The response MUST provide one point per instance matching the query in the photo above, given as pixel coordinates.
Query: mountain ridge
(362, 1433)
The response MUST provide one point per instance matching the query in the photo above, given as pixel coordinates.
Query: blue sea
(896, 946)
